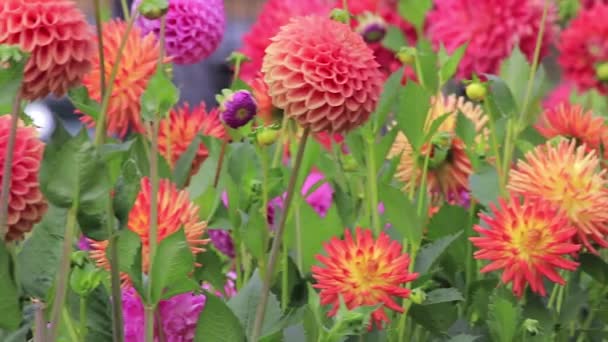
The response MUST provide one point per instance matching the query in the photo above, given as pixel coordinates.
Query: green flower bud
(83, 280)
(153, 9)
(601, 71)
(531, 326)
(476, 91)
(237, 58)
(349, 163)
(340, 15)
(267, 136)
(418, 296)
(79, 258)
(407, 55)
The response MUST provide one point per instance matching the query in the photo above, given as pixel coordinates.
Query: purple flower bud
(222, 240)
(237, 108)
(371, 27)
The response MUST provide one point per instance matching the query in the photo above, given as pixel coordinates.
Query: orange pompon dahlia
(57, 36)
(175, 210)
(571, 121)
(178, 130)
(363, 272)
(26, 205)
(528, 240)
(449, 164)
(569, 178)
(138, 64)
(322, 74)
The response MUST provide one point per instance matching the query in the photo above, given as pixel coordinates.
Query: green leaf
(126, 190)
(203, 179)
(129, 257)
(443, 295)
(40, 254)
(595, 267)
(394, 39)
(173, 263)
(504, 317)
(255, 232)
(9, 292)
(463, 338)
(114, 155)
(82, 101)
(99, 316)
(401, 213)
(208, 203)
(21, 334)
(183, 167)
(430, 253)
(484, 185)
(414, 11)
(245, 303)
(428, 64)
(217, 323)
(73, 170)
(211, 270)
(448, 69)
(414, 103)
(160, 96)
(436, 318)
(465, 129)
(12, 65)
(501, 97)
(388, 99)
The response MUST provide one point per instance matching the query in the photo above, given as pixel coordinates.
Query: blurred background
(197, 82)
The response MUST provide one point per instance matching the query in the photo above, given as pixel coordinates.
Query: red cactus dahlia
(175, 211)
(58, 38)
(322, 74)
(491, 27)
(584, 47)
(137, 66)
(178, 130)
(529, 241)
(26, 205)
(363, 272)
(274, 14)
(568, 177)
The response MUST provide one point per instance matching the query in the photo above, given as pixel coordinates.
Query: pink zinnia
(492, 27)
(584, 45)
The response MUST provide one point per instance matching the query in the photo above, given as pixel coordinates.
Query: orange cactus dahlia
(137, 66)
(529, 241)
(322, 74)
(26, 205)
(58, 38)
(569, 178)
(571, 121)
(363, 272)
(449, 166)
(178, 130)
(175, 210)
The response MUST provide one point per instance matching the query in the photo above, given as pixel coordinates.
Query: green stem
(149, 312)
(372, 180)
(281, 142)
(560, 298)
(345, 5)
(83, 318)
(419, 71)
(39, 321)
(220, 162)
(508, 152)
(586, 325)
(284, 279)
(298, 238)
(8, 167)
(553, 296)
(69, 325)
(425, 170)
(274, 251)
(495, 147)
(64, 272)
(470, 272)
(149, 322)
(125, 9)
(406, 302)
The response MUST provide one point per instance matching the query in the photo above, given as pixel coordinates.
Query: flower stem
(407, 302)
(284, 279)
(83, 318)
(495, 148)
(149, 322)
(99, 31)
(125, 9)
(274, 251)
(39, 321)
(69, 325)
(586, 325)
(280, 142)
(469, 271)
(8, 166)
(220, 162)
(372, 180)
(149, 312)
(64, 271)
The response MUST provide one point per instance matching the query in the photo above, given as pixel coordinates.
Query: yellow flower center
(529, 239)
(365, 272)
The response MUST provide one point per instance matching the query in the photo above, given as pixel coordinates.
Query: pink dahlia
(322, 74)
(560, 95)
(26, 206)
(58, 38)
(194, 28)
(274, 14)
(583, 47)
(492, 27)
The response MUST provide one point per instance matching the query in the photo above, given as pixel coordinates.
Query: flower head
(26, 205)
(568, 177)
(175, 211)
(322, 74)
(529, 241)
(371, 27)
(138, 64)
(583, 46)
(180, 128)
(194, 28)
(58, 38)
(273, 15)
(222, 241)
(559, 95)
(363, 272)
(237, 108)
(492, 29)
(571, 121)
(449, 167)
(266, 111)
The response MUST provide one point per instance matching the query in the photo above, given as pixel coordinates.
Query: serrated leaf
(173, 263)
(255, 233)
(211, 270)
(217, 323)
(465, 129)
(126, 190)
(183, 167)
(245, 303)
(129, 257)
(80, 98)
(443, 295)
(9, 292)
(401, 213)
(484, 185)
(503, 317)
(414, 103)
(501, 97)
(99, 316)
(11, 74)
(159, 97)
(430, 253)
